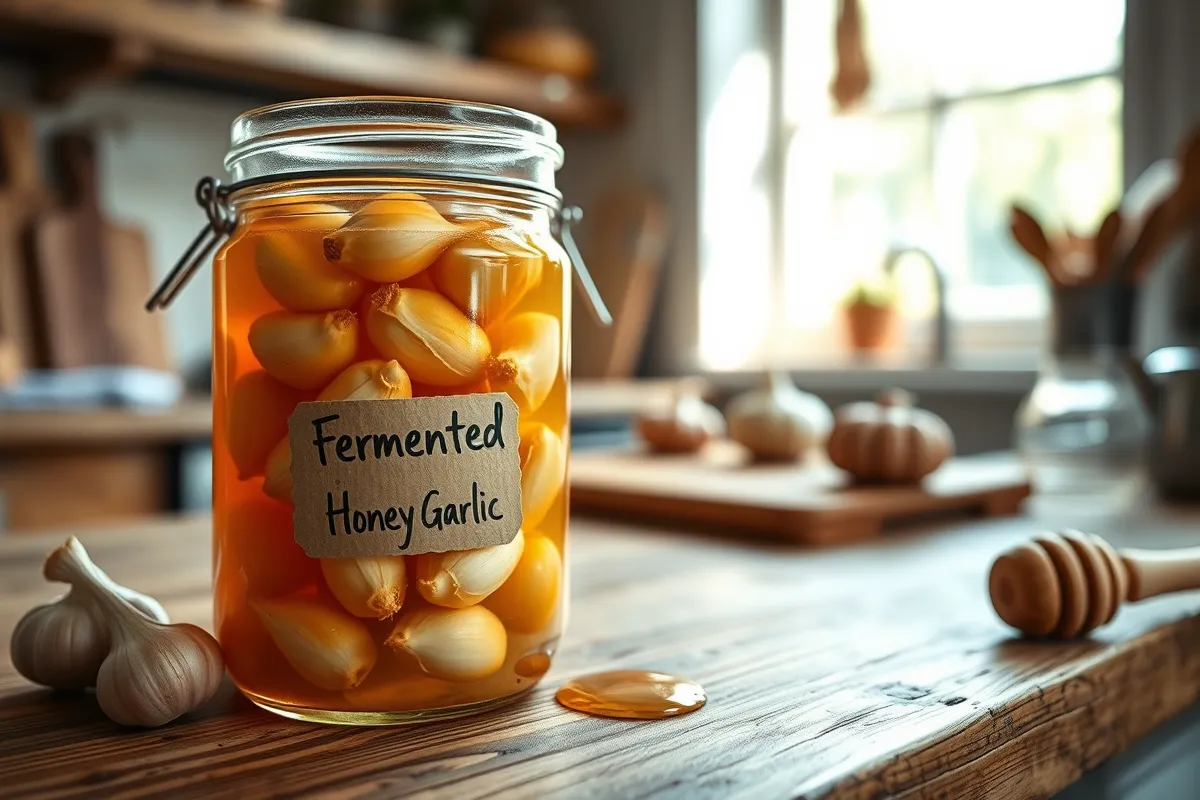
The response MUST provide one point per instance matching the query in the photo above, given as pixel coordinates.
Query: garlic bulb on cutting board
(684, 427)
(778, 422)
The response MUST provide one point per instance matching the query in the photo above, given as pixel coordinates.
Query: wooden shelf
(75, 41)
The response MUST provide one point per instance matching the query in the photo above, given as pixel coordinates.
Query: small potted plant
(870, 311)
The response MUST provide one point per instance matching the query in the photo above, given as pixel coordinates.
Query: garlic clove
(430, 338)
(371, 587)
(528, 599)
(153, 673)
(487, 273)
(543, 470)
(391, 239)
(307, 216)
(463, 644)
(304, 350)
(293, 269)
(369, 380)
(778, 422)
(330, 649)
(277, 477)
(261, 556)
(259, 407)
(527, 354)
(465, 577)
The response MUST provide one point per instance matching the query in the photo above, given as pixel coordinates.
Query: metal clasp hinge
(568, 217)
(212, 197)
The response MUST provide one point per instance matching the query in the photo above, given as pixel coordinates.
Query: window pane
(853, 185)
(1057, 150)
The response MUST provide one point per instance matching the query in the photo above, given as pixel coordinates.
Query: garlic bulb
(154, 672)
(62, 644)
(330, 649)
(453, 644)
(685, 427)
(371, 587)
(463, 578)
(778, 422)
(527, 352)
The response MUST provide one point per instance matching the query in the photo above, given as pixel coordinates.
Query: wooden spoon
(1105, 243)
(1063, 585)
(1028, 233)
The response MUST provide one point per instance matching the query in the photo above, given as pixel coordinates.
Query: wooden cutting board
(812, 504)
(22, 195)
(626, 239)
(92, 274)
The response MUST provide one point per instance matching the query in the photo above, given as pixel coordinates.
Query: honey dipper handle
(1155, 572)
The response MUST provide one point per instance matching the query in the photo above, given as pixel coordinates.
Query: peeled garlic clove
(371, 587)
(330, 649)
(391, 239)
(292, 268)
(778, 422)
(369, 380)
(259, 407)
(301, 217)
(277, 480)
(527, 354)
(305, 350)
(430, 338)
(487, 273)
(543, 469)
(463, 578)
(463, 644)
(528, 599)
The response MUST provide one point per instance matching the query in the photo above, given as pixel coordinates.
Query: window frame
(1011, 338)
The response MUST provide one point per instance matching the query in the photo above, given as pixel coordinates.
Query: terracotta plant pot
(869, 326)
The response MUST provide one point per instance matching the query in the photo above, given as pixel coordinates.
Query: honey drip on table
(632, 694)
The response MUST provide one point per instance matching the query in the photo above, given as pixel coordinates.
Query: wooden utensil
(22, 194)
(1062, 585)
(1165, 219)
(1030, 235)
(91, 274)
(1104, 244)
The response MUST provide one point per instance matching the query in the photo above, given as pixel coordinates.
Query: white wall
(154, 144)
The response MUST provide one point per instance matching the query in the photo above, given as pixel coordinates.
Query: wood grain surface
(858, 672)
(813, 503)
(76, 429)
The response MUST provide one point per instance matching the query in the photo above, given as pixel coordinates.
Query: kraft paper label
(402, 477)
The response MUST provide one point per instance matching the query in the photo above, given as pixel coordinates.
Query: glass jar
(1082, 430)
(392, 261)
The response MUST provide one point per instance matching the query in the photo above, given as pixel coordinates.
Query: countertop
(858, 672)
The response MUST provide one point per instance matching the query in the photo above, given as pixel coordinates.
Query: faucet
(941, 337)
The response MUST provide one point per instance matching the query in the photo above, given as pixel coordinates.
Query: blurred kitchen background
(764, 189)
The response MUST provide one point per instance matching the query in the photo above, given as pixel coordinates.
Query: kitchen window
(971, 106)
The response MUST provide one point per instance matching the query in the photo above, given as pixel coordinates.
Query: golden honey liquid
(632, 694)
(255, 556)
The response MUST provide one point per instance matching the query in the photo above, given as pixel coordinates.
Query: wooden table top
(856, 672)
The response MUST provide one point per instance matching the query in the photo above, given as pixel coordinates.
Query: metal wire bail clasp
(211, 196)
(567, 217)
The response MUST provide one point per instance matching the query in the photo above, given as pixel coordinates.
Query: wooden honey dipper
(1061, 585)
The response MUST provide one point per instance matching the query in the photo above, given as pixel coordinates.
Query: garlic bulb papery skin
(63, 643)
(685, 427)
(153, 672)
(778, 422)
